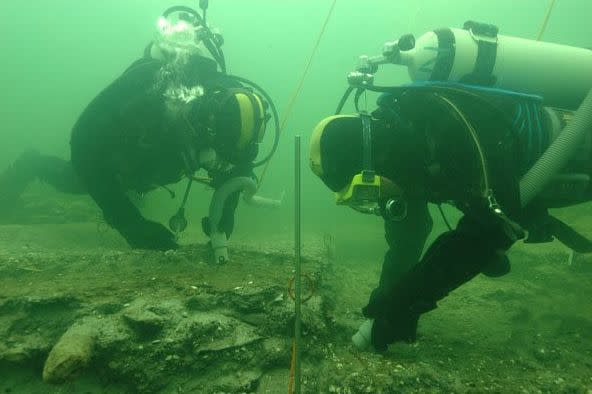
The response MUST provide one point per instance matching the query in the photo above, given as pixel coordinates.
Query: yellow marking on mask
(315, 161)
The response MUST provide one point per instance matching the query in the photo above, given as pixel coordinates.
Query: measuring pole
(298, 276)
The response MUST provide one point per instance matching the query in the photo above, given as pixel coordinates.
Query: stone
(70, 354)
(145, 322)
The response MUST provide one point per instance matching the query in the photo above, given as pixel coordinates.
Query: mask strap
(367, 171)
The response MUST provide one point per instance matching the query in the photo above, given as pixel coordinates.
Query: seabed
(81, 312)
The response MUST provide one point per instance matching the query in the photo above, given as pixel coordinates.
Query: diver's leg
(453, 259)
(16, 178)
(60, 174)
(406, 239)
(30, 166)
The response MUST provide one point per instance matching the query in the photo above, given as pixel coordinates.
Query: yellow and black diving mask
(335, 158)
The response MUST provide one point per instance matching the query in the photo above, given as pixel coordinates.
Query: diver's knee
(497, 266)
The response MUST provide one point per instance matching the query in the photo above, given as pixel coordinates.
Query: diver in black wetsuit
(434, 144)
(168, 115)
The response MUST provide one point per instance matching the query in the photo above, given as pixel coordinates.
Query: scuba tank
(478, 55)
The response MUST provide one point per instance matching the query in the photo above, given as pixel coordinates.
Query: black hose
(214, 49)
(359, 93)
(444, 217)
(217, 54)
(186, 195)
(343, 99)
(385, 89)
(222, 60)
(276, 119)
(182, 8)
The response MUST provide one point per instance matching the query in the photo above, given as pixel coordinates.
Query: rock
(113, 334)
(15, 354)
(275, 351)
(25, 349)
(212, 332)
(201, 302)
(245, 381)
(251, 299)
(546, 355)
(145, 322)
(70, 354)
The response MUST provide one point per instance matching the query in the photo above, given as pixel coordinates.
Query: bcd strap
(367, 172)
(486, 37)
(445, 56)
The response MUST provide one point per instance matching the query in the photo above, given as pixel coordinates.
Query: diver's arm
(124, 216)
(90, 162)
(98, 135)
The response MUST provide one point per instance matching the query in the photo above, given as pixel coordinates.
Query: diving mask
(335, 158)
(363, 192)
(366, 192)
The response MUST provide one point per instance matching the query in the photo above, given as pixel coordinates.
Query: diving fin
(569, 237)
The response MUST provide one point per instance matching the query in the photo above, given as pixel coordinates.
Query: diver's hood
(336, 150)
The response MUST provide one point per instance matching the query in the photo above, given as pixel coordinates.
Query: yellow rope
(292, 369)
(298, 89)
(546, 20)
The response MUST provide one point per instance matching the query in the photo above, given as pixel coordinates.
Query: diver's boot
(498, 266)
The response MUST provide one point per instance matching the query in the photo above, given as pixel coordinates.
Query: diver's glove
(149, 235)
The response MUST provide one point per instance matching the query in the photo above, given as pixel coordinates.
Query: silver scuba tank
(477, 54)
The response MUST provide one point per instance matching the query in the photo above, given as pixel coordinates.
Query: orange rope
(298, 89)
(292, 368)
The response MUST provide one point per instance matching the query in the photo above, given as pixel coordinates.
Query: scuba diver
(502, 158)
(171, 113)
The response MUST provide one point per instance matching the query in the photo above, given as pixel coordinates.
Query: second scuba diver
(445, 142)
(168, 115)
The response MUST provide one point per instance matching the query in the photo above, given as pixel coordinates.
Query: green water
(55, 56)
(58, 54)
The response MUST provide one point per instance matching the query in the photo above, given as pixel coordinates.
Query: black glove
(149, 235)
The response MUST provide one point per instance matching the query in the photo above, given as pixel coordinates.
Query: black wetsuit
(125, 140)
(438, 162)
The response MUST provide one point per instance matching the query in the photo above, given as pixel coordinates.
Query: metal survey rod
(297, 274)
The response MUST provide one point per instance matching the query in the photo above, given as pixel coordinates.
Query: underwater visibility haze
(147, 196)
